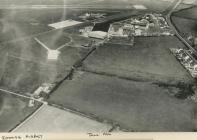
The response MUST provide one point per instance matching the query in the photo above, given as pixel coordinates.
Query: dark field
(185, 26)
(136, 106)
(185, 22)
(13, 110)
(188, 13)
(148, 60)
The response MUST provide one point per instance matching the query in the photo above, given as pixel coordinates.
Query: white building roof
(98, 34)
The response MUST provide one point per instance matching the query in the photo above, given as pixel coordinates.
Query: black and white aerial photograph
(98, 66)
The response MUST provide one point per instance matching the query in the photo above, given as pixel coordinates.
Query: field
(29, 60)
(139, 88)
(188, 13)
(17, 23)
(57, 38)
(134, 106)
(185, 26)
(185, 22)
(61, 121)
(13, 110)
(148, 60)
(155, 5)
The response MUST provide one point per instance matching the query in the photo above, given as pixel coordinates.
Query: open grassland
(24, 64)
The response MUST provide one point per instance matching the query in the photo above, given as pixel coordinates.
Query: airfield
(99, 88)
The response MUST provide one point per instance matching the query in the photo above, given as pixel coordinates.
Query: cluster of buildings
(92, 16)
(42, 92)
(124, 31)
(147, 25)
(88, 32)
(186, 58)
(120, 33)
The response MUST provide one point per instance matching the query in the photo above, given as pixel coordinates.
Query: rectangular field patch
(63, 24)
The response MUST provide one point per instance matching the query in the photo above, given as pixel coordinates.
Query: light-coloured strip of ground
(63, 24)
(51, 119)
(20, 95)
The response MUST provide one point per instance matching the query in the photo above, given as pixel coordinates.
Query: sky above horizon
(17, 2)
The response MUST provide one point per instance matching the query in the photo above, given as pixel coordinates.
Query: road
(23, 96)
(168, 18)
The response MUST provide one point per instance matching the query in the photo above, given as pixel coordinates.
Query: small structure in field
(53, 54)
